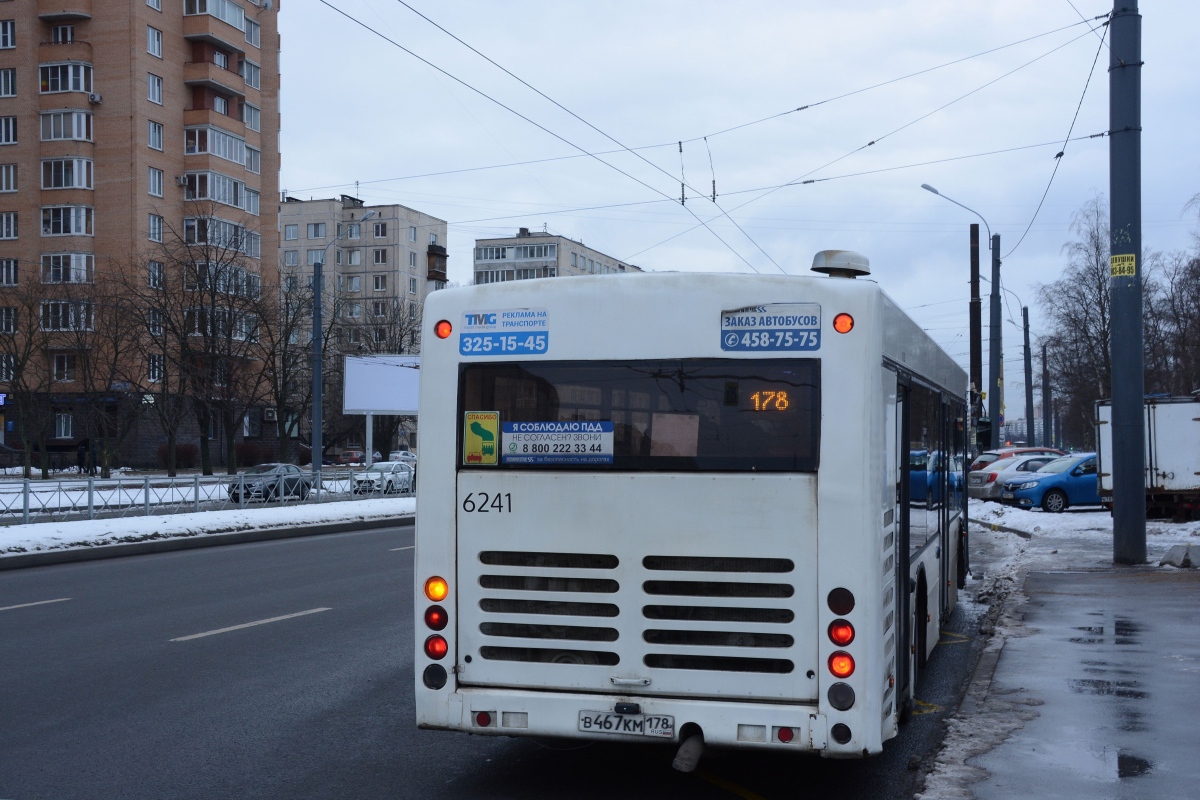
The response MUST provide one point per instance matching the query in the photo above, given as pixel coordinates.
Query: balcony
(206, 28)
(64, 10)
(437, 262)
(65, 51)
(208, 74)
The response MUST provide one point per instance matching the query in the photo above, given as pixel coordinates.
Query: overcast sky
(358, 108)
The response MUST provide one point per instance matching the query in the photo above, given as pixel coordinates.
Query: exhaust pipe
(690, 752)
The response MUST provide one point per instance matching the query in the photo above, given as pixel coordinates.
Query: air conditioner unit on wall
(95, 99)
(270, 415)
(181, 180)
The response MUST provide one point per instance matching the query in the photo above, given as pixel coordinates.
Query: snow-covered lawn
(44, 536)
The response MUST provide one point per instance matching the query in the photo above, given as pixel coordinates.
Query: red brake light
(992, 476)
(841, 632)
(436, 647)
(841, 664)
(436, 617)
(443, 329)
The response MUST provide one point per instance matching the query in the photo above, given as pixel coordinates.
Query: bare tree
(24, 364)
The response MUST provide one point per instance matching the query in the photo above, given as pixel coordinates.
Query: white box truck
(1172, 455)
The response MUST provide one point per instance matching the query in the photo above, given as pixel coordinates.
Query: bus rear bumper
(725, 724)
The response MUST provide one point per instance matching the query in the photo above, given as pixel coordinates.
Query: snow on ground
(1077, 539)
(91, 533)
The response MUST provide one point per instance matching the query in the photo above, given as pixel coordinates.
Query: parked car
(988, 483)
(988, 456)
(350, 457)
(402, 455)
(385, 477)
(1064, 482)
(270, 481)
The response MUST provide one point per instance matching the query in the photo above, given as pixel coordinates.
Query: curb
(994, 527)
(49, 557)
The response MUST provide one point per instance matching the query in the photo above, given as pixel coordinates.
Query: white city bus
(672, 507)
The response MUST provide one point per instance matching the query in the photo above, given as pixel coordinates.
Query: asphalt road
(109, 692)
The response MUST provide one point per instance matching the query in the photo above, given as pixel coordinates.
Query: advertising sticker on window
(480, 431)
(581, 442)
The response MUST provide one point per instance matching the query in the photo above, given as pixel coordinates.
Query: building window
(220, 59)
(252, 73)
(7, 367)
(412, 312)
(221, 105)
(412, 233)
(155, 4)
(8, 177)
(69, 77)
(353, 283)
(154, 322)
(64, 427)
(154, 41)
(380, 230)
(154, 369)
(156, 135)
(63, 315)
(156, 182)
(60, 125)
(354, 310)
(316, 230)
(8, 319)
(536, 251)
(67, 267)
(209, 139)
(251, 116)
(8, 272)
(379, 256)
(291, 232)
(379, 308)
(412, 285)
(251, 202)
(8, 82)
(253, 160)
(433, 238)
(67, 221)
(67, 173)
(154, 274)
(253, 32)
(291, 258)
(315, 257)
(62, 34)
(224, 10)
(8, 130)
(64, 367)
(8, 34)
(490, 253)
(8, 225)
(354, 231)
(412, 260)
(354, 258)
(156, 228)
(338, 251)
(380, 283)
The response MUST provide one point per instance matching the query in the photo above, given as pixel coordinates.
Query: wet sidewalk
(1111, 665)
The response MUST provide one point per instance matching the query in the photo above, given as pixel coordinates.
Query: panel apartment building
(536, 254)
(118, 119)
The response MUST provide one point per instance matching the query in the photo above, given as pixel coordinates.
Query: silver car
(987, 483)
(385, 477)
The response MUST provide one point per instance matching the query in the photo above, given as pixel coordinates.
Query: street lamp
(318, 410)
(994, 336)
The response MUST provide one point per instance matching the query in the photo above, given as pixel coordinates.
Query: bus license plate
(628, 724)
(1006, 496)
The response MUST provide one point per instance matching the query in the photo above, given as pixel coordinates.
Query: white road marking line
(393, 550)
(250, 624)
(38, 603)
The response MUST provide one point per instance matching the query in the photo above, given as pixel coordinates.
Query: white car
(987, 483)
(402, 455)
(385, 477)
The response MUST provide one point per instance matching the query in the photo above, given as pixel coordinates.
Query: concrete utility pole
(1028, 380)
(1125, 228)
(318, 381)
(1047, 433)
(995, 378)
(976, 324)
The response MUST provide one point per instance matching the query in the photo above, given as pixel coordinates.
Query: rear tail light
(841, 664)
(434, 676)
(436, 618)
(992, 476)
(443, 329)
(436, 589)
(436, 647)
(841, 601)
(483, 719)
(841, 733)
(841, 632)
(785, 735)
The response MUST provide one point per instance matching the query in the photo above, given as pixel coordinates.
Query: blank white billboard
(381, 385)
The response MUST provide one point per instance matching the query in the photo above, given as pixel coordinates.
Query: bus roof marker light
(443, 329)
(843, 323)
(436, 589)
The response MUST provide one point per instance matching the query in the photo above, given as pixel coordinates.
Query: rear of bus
(649, 509)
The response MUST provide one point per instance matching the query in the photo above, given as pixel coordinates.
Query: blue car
(1064, 482)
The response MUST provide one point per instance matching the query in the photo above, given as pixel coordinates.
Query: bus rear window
(720, 415)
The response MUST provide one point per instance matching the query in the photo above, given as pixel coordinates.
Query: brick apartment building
(125, 126)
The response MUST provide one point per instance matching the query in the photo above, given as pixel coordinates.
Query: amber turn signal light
(436, 589)
(843, 323)
(443, 329)
(841, 664)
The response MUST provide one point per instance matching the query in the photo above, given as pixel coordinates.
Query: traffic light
(983, 433)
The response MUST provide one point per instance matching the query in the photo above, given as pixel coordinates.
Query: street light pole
(995, 379)
(318, 379)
